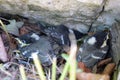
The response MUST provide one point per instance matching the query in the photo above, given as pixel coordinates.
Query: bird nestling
(27, 39)
(32, 43)
(60, 34)
(94, 48)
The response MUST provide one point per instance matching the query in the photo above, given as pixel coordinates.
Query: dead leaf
(3, 54)
(91, 76)
(23, 30)
(103, 62)
(82, 66)
(109, 68)
(13, 27)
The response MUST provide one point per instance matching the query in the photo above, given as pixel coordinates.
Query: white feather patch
(24, 53)
(105, 42)
(91, 41)
(104, 52)
(62, 39)
(34, 53)
(36, 37)
(80, 49)
(71, 31)
(95, 57)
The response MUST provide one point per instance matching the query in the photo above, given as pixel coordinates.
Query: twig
(38, 66)
(4, 19)
(54, 69)
(103, 62)
(91, 76)
(71, 62)
(109, 68)
(103, 6)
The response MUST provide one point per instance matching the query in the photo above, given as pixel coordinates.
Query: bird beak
(22, 44)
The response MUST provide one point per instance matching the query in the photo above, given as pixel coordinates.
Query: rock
(113, 6)
(97, 2)
(78, 26)
(115, 32)
(111, 12)
(109, 16)
(54, 11)
(106, 18)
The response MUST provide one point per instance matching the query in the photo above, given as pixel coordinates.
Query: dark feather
(91, 54)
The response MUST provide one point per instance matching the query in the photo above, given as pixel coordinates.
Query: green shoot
(4, 28)
(22, 72)
(72, 57)
(65, 56)
(72, 70)
(54, 69)
(65, 70)
(38, 66)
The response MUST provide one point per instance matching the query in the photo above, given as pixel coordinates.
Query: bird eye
(23, 41)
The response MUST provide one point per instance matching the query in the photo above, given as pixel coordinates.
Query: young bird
(42, 48)
(27, 39)
(31, 43)
(94, 48)
(59, 34)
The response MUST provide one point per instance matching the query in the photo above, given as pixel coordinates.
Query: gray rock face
(69, 12)
(106, 18)
(77, 14)
(113, 6)
(115, 32)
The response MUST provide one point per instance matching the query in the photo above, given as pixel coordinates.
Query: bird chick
(27, 39)
(31, 43)
(60, 34)
(42, 48)
(94, 48)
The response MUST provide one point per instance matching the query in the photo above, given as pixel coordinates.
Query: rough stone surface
(105, 20)
(114, 7)
(70, 12)
(109, 16)
(115, 32)
(97, 2)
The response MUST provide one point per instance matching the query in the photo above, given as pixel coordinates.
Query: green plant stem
(72, 57)
(65, 70)
(22, 72)
(4, 28)
(72, 70)
(38, 66)
(54, 69)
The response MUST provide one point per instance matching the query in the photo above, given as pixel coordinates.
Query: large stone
(113, 6)
(55, 11)
(97, 2)
(105, 20)
(109, 16)
(115, 32)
